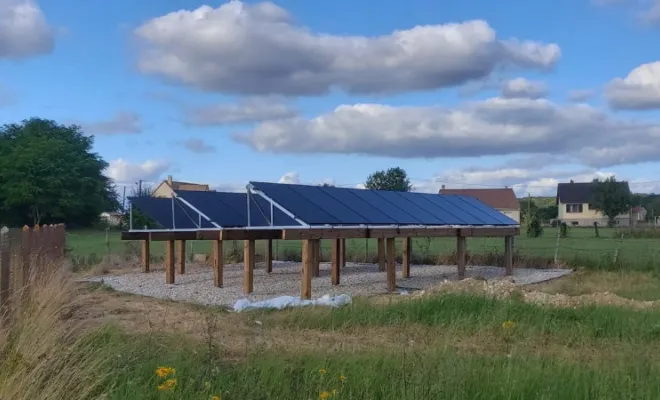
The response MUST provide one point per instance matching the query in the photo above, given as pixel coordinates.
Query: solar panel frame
(160, 210)
(299, 206)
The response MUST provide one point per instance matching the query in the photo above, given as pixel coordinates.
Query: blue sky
(250, 91)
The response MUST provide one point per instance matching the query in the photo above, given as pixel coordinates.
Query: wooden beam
(306, 289)
(489, 232)
(391, 265)
(406, 254)
(182, 257)
(248, 266)
(381, 254)
(336, 260)
(250, 234)
(218, 263)
(269, 256)
(317, 257)
(169, 262)
(343, 252)
(508, 255)
(461, 256)
(146, 256)
(323, 233)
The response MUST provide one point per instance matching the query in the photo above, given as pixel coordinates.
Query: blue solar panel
(420, 214)
(229, 210)
(493, 214)
(400, 216)
(338, 206)
(298, 205)
(349, 197)
(419, 200)
(160, 210)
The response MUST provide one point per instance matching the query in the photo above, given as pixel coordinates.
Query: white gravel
(196, 285)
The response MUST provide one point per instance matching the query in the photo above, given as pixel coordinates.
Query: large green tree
(49, 174)
(612, 198)
(394, 179)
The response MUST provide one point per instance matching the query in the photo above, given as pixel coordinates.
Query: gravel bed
(196, 285)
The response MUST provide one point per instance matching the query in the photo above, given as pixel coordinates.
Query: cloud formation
(580, 95)
(120, 123)
(256, 109)
(492, 127)
(640, 90)
(24, 31)
(521, 88)
(198, 146)
(258, 49)
(123, 171)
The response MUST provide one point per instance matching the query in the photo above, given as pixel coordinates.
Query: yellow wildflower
(169, 384)
(324, 395)
(165, 371)
(342, 378)
(322, 371)
(216, 398)
(508, 324)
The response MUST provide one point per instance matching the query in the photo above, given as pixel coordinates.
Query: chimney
(169, 180)
(443, 186)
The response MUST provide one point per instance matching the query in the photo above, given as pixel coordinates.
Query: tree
(528, 209)
(326, 184)
(394, 179)
(49, 174)
(548, 212)
(611, 198)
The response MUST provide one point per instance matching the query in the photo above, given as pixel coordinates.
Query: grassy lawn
(581, 248)
(448, 346)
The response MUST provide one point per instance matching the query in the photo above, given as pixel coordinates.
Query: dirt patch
(504, 289)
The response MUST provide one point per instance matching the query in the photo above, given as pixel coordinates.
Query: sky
(463, 94)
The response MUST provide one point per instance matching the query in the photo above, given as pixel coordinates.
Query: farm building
(167, 187)
(575, 206)
(503, 200)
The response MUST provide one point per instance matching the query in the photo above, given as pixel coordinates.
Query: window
(592, 207)
(573, 208)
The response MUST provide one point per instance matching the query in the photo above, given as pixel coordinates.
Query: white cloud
(640, 90)
(290, 177)
(120, 123)
(257, 109)
(492, 127)
(122, 171)
(259, 49)
(198, 146)
(24, 31)
(580, 95)
(647, 11)
(521, 88)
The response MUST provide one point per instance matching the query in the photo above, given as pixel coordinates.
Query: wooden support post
(508, 255)
(307, 250)
(26, 251)
(146, 256)
(407, 250)
(461, 256)
(391, 265)
(248, 266)
(169, 262)
(316, 257)
(269, 256)
(182, 257)
(381, 254)
(343, 252)
(5, 273)
(218, 264)
(336, 260)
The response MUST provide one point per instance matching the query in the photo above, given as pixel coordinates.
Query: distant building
(112, 218)
(576, 208)
(503, 200)
(167, 187)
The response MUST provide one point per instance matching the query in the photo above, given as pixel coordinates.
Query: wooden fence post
(5, 271)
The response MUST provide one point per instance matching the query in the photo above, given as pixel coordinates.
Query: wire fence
(611, 250)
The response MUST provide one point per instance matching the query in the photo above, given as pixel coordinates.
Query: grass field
(581, 248)
(90, 342)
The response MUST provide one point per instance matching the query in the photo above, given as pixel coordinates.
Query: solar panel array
(320, 205)
(228, 210)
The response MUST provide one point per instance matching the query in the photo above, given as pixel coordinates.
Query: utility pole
(140, 188)
(123, 200)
